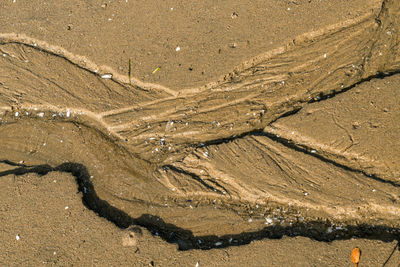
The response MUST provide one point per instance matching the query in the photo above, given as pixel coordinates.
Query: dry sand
(252, 133)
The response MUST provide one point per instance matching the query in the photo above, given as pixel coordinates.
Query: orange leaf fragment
(355, 256)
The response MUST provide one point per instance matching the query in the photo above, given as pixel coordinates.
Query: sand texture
(295, 138)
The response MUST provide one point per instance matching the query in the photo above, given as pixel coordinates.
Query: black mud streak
(287, 114)
(323, 231)
(296, 110)
(323, 97)
(295, 147)
(379, 75)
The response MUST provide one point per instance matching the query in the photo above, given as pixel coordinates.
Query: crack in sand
(185, 239)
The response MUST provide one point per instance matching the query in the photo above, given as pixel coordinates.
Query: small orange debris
(355, 256)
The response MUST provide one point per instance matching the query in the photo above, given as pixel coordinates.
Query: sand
(137, 133)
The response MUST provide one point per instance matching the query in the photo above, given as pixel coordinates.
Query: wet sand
(242, 134)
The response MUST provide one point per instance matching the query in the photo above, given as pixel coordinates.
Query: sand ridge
(265, 104)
